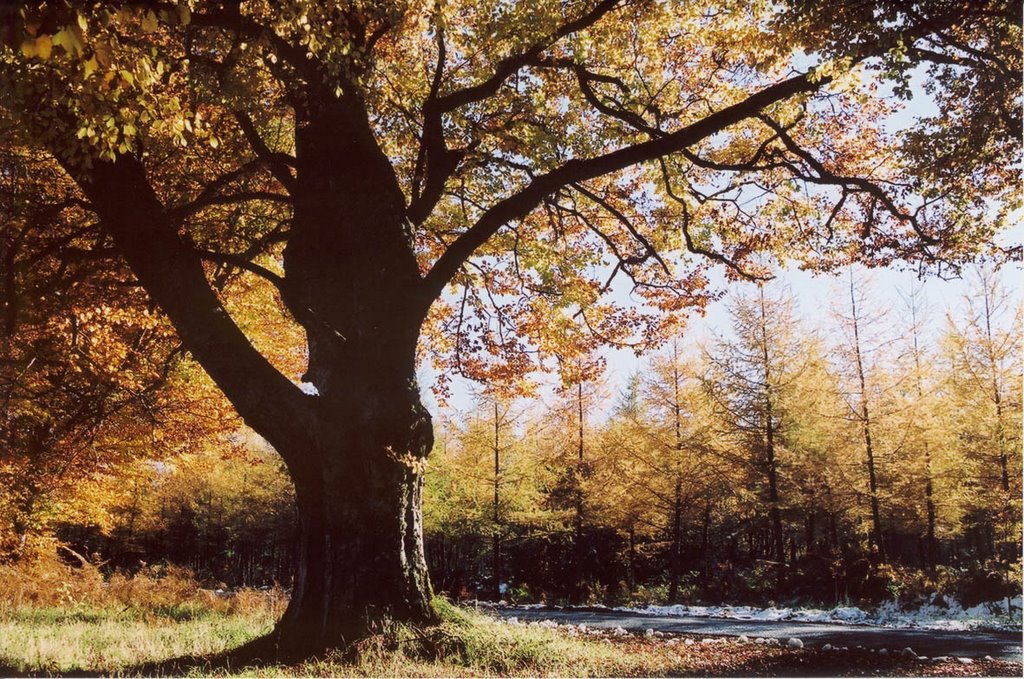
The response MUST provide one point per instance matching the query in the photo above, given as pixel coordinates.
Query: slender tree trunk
(775, 514)
(631, 564)
(809, 536)
(496, 535)
(865, 419)
(930, 552)
(675, 565)
(578, 546)
(677, 539)
(705, 552)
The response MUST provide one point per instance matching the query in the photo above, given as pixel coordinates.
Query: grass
(53, 641)
(60, 620)
(43, 641)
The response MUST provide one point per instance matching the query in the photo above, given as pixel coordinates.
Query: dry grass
(56, 620)
(45, 582)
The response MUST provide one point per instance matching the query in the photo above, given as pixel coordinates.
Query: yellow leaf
(214, 142)
(149, 22)
(184, 14)
(44, 45)
(102, 53)
(90, 66)
(81, 21)
(28, 48)
(68, 39)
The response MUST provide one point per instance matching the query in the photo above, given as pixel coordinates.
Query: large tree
(529, 157)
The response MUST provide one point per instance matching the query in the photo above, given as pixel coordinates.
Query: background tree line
(855, 458)
(858, 457)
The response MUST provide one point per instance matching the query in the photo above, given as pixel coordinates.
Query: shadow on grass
(258, 653)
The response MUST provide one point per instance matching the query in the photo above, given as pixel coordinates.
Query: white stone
(827, 647)
(908, 652)
(743, 639)
(794, 643)
(965, 661)
(689, 642)
(619, 632)
(649, 633)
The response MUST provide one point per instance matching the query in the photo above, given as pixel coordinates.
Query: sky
(815, 295)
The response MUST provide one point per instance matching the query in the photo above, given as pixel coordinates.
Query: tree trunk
(496, 535)
(705, 554)
(677, 539)
(360, 561)
(866, 422)
(578, 547)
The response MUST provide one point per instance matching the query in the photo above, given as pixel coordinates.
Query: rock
(672, 642)
(794, 643)
(965, 661)
(827, 647)
(759, 640)
(988, 658)
(659, 634)
(940, 658)
(708, 640)
(922, 658)
(619, 632)
(649, 633)
(743, 639)
(908, 652)
(883, 651)
(689, 642)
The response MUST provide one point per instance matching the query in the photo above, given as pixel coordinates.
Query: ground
(68, 640)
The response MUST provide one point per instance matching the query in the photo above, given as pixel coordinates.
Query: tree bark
(360, 559)
(356, 451)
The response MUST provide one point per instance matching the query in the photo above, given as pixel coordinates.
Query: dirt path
(1000, 645)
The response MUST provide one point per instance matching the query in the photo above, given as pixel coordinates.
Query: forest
(864, 457)
(309, 314)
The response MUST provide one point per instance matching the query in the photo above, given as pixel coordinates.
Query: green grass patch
(48, 640)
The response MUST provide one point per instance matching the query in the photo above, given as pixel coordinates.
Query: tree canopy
(496, 178)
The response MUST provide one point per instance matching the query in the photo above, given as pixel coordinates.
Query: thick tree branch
(278, 163)
(172, 275)
(512, 64)
(521, 203)
(436, 162)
